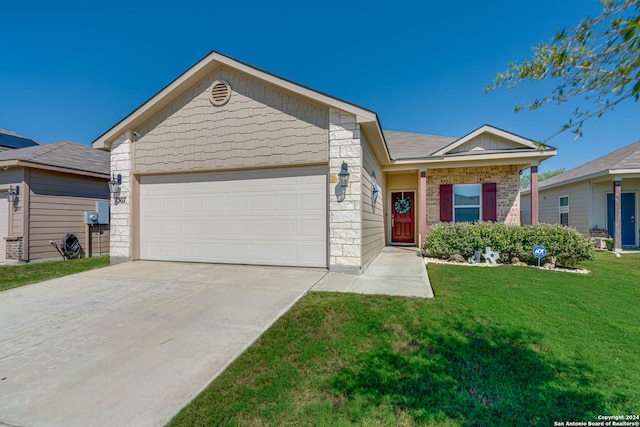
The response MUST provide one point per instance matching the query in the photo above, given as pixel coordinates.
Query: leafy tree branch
(597, 61)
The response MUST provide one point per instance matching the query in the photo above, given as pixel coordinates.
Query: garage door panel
(269, 217)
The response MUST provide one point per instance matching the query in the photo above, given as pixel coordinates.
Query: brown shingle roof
(405, 145)
(625, 158)
(69, 155)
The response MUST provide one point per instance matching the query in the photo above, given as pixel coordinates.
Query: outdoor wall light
(114, 184)
(343, 176)
(11, 194)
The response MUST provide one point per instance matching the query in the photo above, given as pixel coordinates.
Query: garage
(267, 217)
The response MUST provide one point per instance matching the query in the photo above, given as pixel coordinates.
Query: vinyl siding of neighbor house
(373, 240)
(13, 177)
(57, 204)
(260, 126)
(579, 205)
(599, 199)
(525, 209)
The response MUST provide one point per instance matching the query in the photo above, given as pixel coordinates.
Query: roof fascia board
(574, 180)
(485, 129)
(508, 157)
(201, 69)
(57, 169)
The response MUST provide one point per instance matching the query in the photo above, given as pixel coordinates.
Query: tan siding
(487, 142)
(13, 177)
(372, 220)
(549, 205)
(507, 179)
(260, 126)
(57, 205)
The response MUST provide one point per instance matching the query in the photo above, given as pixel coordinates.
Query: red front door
(402, 217)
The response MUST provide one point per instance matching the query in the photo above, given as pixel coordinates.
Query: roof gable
(368, 119)
(487, 138)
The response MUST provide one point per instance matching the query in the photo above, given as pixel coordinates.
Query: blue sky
(71, 69)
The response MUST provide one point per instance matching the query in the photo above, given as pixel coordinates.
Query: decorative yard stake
(539, 252)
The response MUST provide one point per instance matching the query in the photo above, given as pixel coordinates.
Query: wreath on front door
(402, 206)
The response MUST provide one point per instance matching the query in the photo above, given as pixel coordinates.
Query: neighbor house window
(564, 210)
(466, 203)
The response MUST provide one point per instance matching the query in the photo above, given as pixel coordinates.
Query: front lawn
(497, 346)
(12, 276)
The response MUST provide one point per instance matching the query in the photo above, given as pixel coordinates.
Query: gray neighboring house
(591, 196)
(55, 185)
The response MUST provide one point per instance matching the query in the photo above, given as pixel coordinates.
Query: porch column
(422, 194)
(534, 193)
(617, 215)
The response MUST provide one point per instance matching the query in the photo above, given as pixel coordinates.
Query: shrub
(566, 244)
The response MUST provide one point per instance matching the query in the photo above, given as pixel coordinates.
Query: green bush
(567, 244)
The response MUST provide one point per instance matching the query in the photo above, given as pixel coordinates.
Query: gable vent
(220, 92)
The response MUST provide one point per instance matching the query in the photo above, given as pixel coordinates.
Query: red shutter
(446, 203)
(489, 202)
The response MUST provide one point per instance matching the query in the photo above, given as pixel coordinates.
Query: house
(11, 140)
(587, 196)
(231, 164)
(55, 185)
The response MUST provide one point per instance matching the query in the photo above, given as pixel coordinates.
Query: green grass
(12, 276)
(498, 346)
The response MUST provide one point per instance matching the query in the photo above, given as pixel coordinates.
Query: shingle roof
(69, 155)
(405, 145)
(10, 139)
(625, 158)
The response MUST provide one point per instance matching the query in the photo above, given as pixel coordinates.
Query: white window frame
(479, 205)
(563, 209)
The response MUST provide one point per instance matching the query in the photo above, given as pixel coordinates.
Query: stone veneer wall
(14, 249)
(120, 233)
(506, 177)
(345, 218)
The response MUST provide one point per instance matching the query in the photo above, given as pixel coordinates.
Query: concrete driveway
(131, 344)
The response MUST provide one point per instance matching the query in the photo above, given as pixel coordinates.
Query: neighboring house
(232, 164)
(585, 197)
(55, 185)
(11, 140)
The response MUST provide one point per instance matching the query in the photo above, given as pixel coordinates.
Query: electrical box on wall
(102, 209)
(91, 217)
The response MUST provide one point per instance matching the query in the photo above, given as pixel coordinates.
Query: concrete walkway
(395, 271)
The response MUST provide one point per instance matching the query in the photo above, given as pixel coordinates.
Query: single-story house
(10, 141)
(54, 184)
(591, 196)
(232, 164)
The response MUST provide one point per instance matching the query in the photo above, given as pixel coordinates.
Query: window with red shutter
(489, 202)
(446, 203)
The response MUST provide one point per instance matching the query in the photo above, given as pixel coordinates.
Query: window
(564, 210)
(466, 203)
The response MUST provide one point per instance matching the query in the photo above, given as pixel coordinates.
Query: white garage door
(274, 217)
(4, 225)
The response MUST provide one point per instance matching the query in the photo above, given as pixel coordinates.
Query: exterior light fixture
(114, 184)
(11, 194)
(343, 176)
